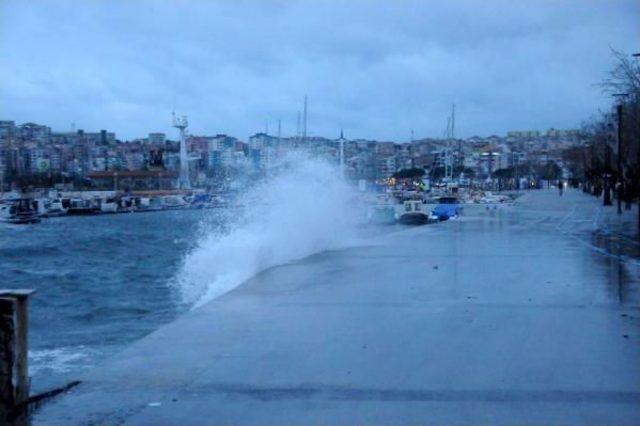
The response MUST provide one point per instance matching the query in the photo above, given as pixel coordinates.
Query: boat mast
(298, 129)
(304, 120)
(450, 135)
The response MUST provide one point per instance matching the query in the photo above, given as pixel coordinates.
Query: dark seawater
(102, 282)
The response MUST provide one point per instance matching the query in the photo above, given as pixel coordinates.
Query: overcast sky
(375, 68)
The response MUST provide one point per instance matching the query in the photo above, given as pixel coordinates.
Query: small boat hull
(22, 220)
(414, 219)
(82, 211)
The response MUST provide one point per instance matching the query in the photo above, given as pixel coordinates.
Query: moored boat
(414, 213)
(55, 208)
(447, 208)
(19, 211)
(79, 206)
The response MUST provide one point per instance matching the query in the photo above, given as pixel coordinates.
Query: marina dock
(514, 315)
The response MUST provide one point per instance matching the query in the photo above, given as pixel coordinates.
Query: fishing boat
(414, 213)
(19, 211)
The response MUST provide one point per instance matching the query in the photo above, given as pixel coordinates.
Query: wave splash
(304, 208)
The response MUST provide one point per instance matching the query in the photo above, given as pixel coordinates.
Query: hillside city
(36, 155)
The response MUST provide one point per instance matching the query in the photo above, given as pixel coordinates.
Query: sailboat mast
(453, 121)
(304, 120)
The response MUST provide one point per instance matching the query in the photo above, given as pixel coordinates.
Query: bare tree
(624, 81)
(624, 77)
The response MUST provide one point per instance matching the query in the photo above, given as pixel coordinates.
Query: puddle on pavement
(615, 244)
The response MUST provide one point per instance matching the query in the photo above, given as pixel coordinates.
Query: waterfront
(106, 281)
(102, 282)
(504, 316)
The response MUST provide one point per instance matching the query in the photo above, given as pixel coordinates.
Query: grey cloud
(375, 68)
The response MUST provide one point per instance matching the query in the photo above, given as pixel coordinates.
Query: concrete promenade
(510, 316)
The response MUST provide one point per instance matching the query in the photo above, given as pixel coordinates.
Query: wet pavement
(511, 315)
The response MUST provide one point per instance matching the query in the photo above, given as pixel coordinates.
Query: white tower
(181, 124)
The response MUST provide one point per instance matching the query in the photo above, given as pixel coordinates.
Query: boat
(19, 211)
(41, 206)
(447, 208)
(49, 208)
(174, 202)
(201, 201)
(414, 213)
(218, 201)
(155, 204)
(383, 212)
(79, 206)
(55, 208)
(491, 198)
(109, 205)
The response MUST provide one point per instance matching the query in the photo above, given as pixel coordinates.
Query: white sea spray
(303, 208)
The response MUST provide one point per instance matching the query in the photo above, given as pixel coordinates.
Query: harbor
(319, 213)
(403, 328)
(24, 208)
